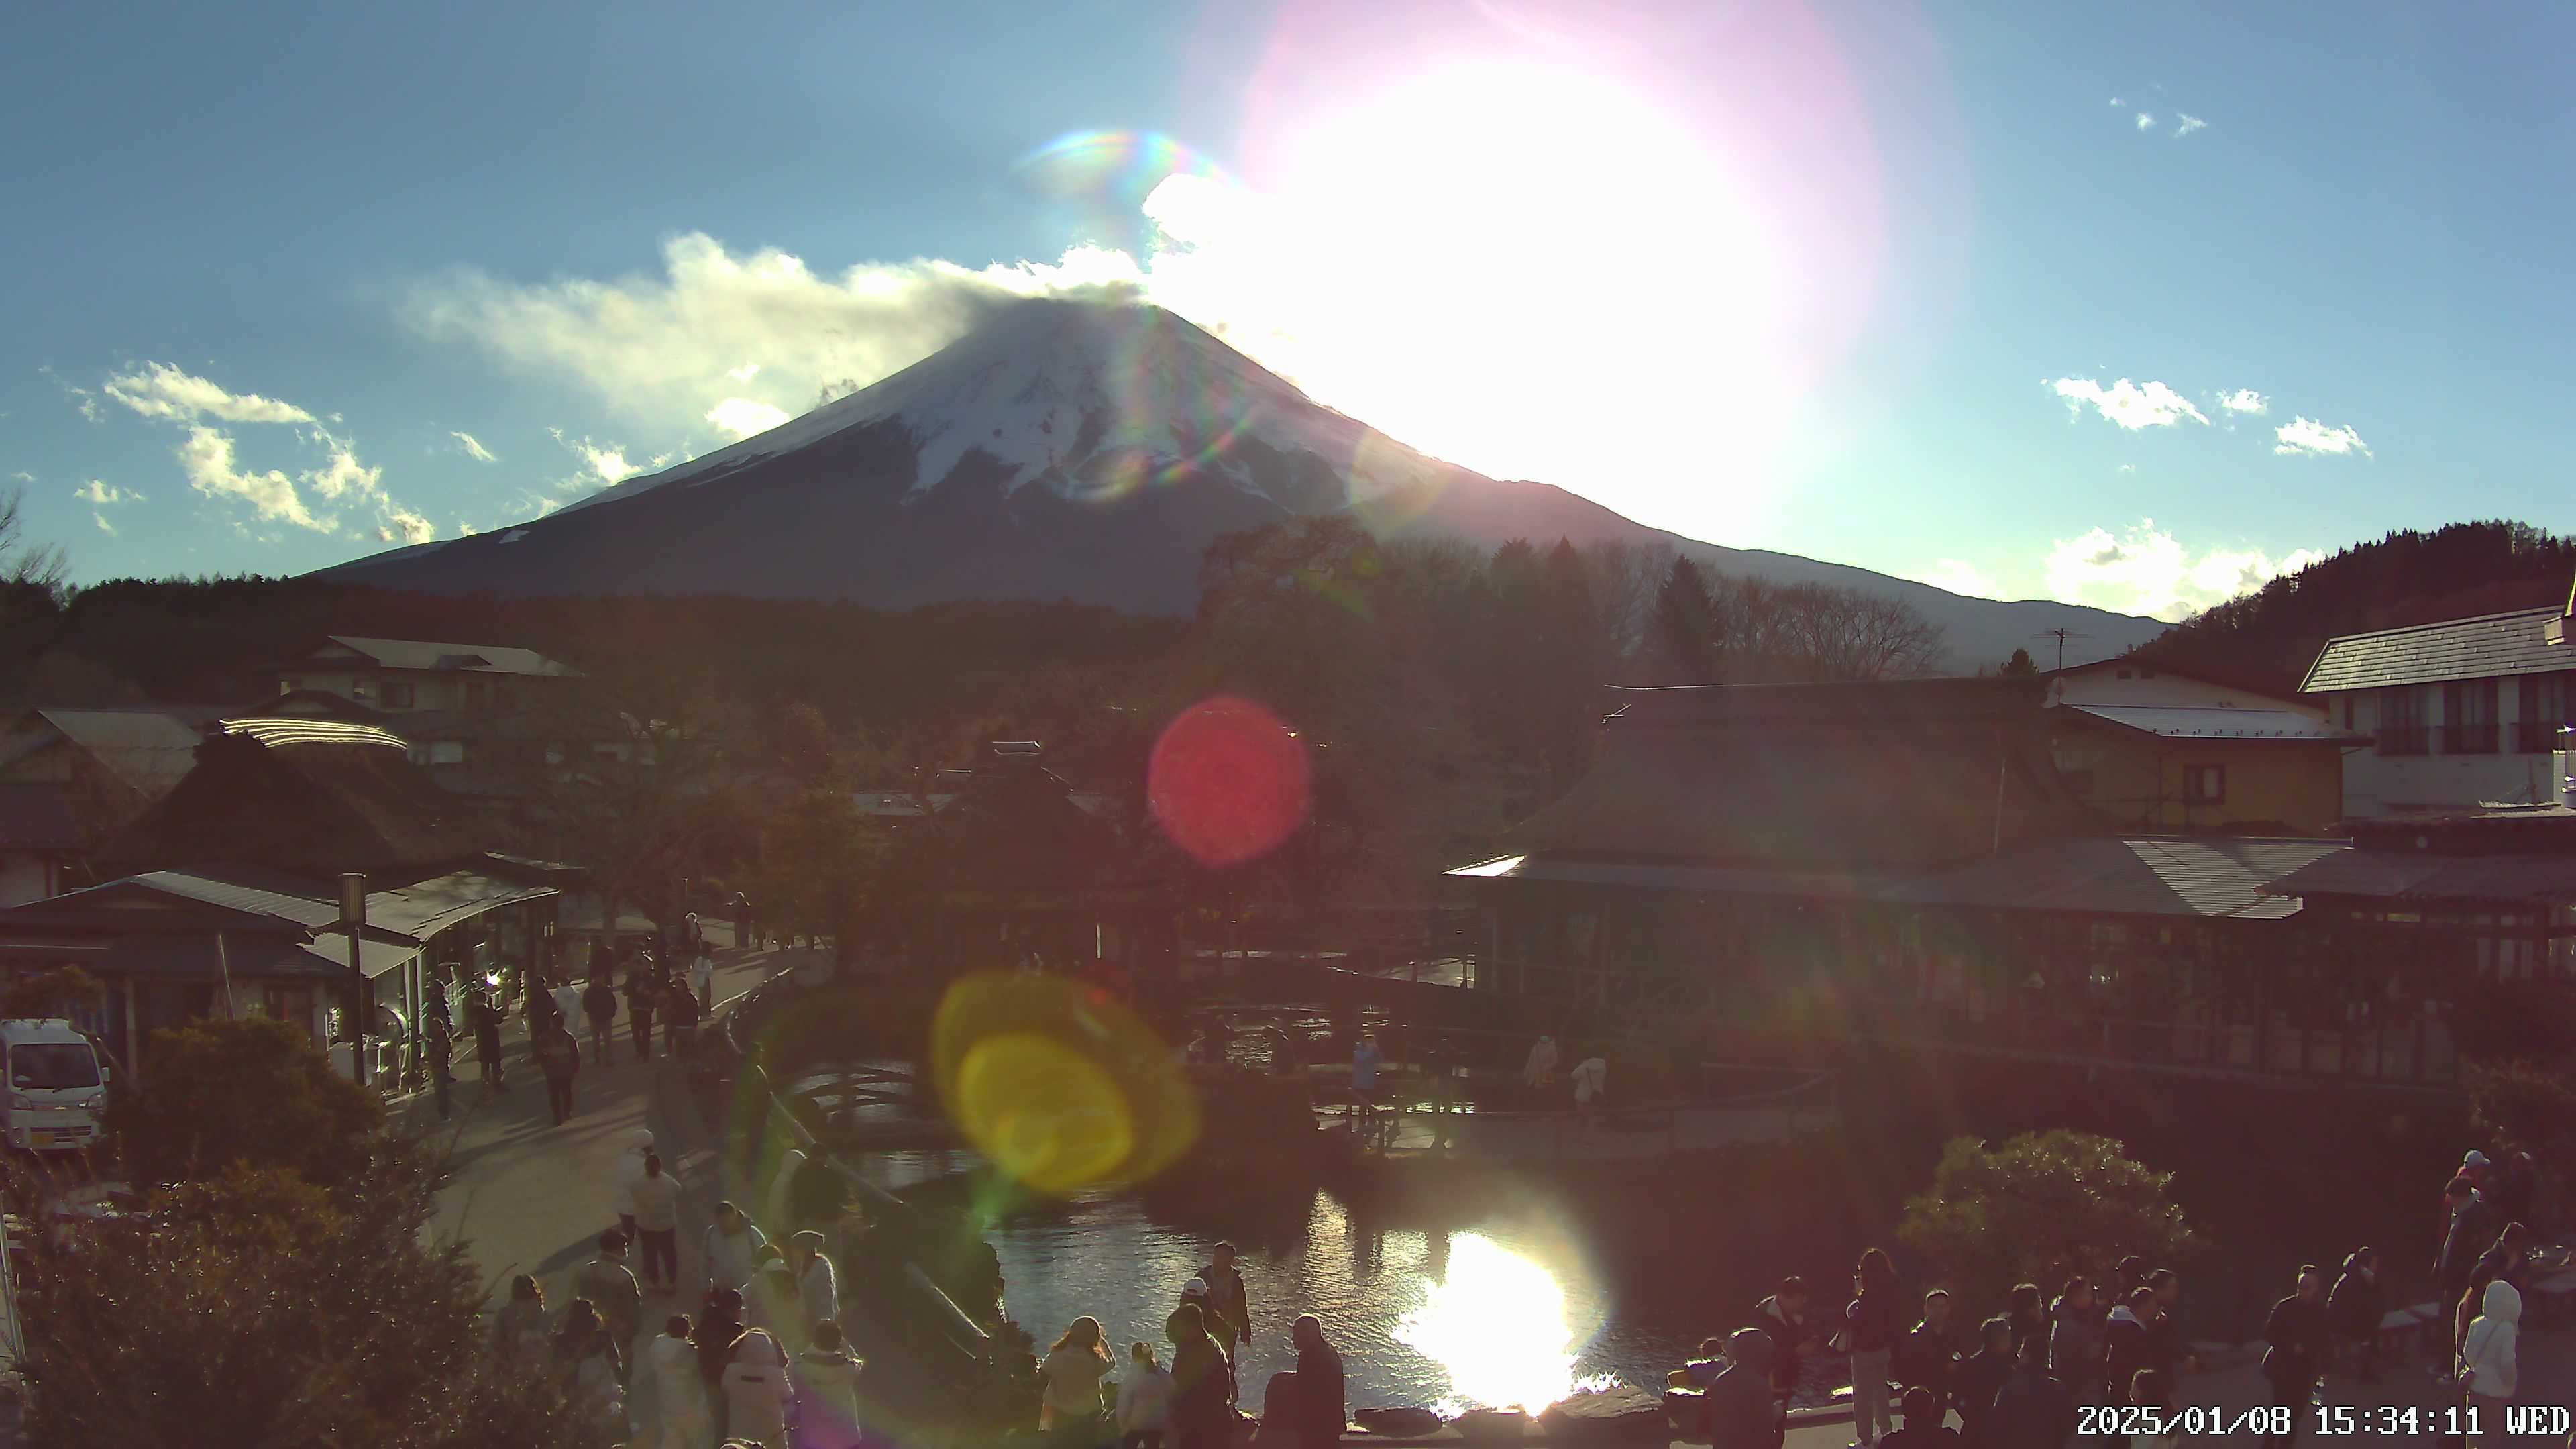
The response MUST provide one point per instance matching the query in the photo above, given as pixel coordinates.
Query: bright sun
(1528, 270)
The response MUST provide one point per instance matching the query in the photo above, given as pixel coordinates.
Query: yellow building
(2152, 749)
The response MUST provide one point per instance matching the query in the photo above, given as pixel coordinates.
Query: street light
(353, 914)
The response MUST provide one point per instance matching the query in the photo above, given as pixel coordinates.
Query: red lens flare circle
(1228, 781)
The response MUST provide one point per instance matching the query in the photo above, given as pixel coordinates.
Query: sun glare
(1497, 1323)
(1526, 269)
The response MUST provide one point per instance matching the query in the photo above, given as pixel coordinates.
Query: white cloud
(2131, 405)
(2115, 100)
(670, 348)
(473, 449)
(743, 417)
(2306, 437)
(2146, 570)
(1962, 577)
(102, 495)
(604, 465)
(210, 460)
(2244, 400)
(2185, 124)
(465, 529)
(24, 477)
(2128, 468)
(207, 459)
(158, 390)
(2146, 120)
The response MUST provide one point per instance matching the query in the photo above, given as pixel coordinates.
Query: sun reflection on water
(1497, 1323)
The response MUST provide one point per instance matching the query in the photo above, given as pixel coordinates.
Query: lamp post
(353, 914)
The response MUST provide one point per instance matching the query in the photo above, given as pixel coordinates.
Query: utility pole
(353, 914)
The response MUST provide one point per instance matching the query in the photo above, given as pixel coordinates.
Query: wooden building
(227, 896)
(1009, 864)
(2149, 749)
(1792, 868)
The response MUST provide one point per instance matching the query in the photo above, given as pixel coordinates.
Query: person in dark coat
(1202, 1387)
(1739, 1403)
(1783, 1316)
(2505, 1261)
(486, 1020)
(439, 1048)
(2032, 1410)
(1977, 1379)
(2300, 1335)
(2164, 1331)
(2357, 1304)
(643, 996)
(2075, 1341)
(2028, 1309)
(2463, 1243)
(599, 1003)
(1323, 1409)
(2128, 1339)
(1872, 1322)
(713, 1338)
(1923, 1427)
(1923, 1357)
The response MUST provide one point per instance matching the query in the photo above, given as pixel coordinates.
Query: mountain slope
(1083, 451)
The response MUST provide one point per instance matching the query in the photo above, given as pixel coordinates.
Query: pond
(1507, 1302)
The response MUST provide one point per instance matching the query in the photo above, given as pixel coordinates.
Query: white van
(57, 1089)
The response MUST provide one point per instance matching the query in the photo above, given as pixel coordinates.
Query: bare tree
(22, 562)
(1625, 576)
(1774, 633)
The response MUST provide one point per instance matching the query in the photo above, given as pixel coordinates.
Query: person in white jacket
(1144, 1400)
(621, 1179)
(818, 1285)
(731, 1247)
(2490, 1361)
(679, 1395)
(756, 1391)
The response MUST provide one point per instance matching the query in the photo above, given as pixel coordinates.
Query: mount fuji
(1082, 450)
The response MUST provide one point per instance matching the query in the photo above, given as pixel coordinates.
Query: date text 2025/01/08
(2449, 1420)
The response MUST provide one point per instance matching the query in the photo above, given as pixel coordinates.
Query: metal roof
(2209, 722)
(471, 658)
(2136, 875)
(2405, 876)
(2485, 647)
(38, 816)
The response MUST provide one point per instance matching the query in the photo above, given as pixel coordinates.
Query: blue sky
(1959, 292)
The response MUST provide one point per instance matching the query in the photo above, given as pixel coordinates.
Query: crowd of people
(1192, 1403)
(654, 994)
(2020, 1379)
(763, 1363)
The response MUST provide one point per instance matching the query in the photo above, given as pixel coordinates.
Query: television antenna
(2061, 636)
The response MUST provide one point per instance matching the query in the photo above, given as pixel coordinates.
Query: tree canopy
(1997, 1216)
(244, 1090)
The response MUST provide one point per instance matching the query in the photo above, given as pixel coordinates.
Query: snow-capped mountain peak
(1089, 399)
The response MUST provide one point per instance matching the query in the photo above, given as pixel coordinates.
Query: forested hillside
(2266, 640)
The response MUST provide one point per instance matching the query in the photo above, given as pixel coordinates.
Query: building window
(2401, 728)
(2543, 709)
(447, 752)
(2469, 717)
(2205, 784)
(397, 696)
(2346, 703)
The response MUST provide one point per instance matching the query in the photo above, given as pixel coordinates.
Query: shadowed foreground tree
(247, 1090)
(256, 1308)
(1998, 1216)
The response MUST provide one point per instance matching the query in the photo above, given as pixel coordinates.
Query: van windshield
(53, 1064)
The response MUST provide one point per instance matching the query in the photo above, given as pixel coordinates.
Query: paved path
(527, 1196)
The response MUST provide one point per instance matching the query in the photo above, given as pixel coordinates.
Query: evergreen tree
(1683, 633)
(2020, 664)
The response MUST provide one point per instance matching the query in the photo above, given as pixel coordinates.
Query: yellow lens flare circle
(1060, 1085)
(1043, 1112)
